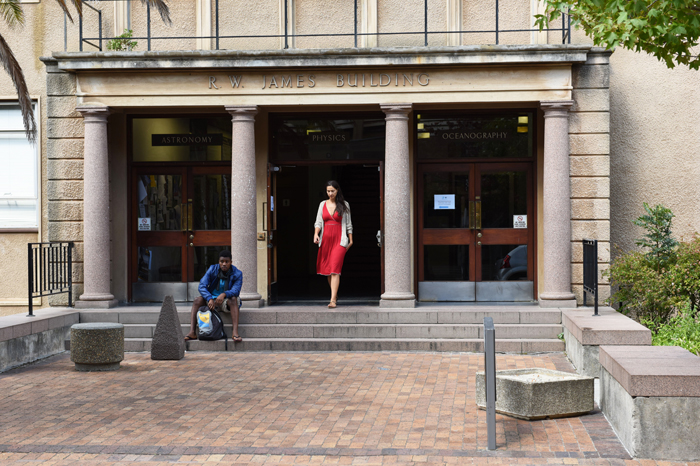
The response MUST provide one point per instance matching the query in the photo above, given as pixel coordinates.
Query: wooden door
(271, 232)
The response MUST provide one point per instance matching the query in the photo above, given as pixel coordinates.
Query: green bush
(681, 330)
(123, 42)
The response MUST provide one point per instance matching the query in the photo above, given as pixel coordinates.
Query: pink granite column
(397, 210)
(557, 207)
(96, 227)
(244, 245)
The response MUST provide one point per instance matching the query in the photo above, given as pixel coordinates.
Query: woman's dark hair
(340, 206)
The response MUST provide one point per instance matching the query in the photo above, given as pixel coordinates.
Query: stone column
(397, 210)
(557, 206)
(244, 244)
(96, 227)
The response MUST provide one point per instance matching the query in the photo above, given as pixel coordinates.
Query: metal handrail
(50, 267)
(565, 29)
(590, 272)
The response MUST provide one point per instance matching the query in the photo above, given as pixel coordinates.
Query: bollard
(490, 380)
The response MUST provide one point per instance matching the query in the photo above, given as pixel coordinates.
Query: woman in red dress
(333, 234)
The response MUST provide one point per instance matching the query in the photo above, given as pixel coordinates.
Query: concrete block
(583, 357)
(168, 343)
(64, 190)
(540, 316)
(65, 128)
(598, 56)
(477, 317)
(5, 333)
(589, 122)
(64, 169)
(397, 317)
(57, 322)
(541, 346)
(513, 331)
(21, 330)
(584, 144)
(590, 209)
(654, 427)
(437, 331)
(65, 148)
(97, 346)
(591, 100)
(248, 317)
(66, 210)
(589, 165)
(60, 84)
(61, 106)
(590, 187)
(338, 317)
(17, 351)
(603, 251)
(296, 317)
(99, 316)
(590, 229)
(39, 324)
(591, 76)
(577, 273)
(142, 331)
(538, 393)
(276, 331)
(65, 231)
(354, 331)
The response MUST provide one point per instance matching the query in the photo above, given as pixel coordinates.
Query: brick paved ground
(282, 408)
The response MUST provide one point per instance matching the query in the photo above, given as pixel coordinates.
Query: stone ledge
(653, 371)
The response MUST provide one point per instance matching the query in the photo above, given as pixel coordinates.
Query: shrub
(684, 274)
(681, 330)
(123, 42)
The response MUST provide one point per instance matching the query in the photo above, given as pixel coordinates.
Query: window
(19, 173)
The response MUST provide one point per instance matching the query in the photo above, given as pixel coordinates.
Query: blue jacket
(209, 281)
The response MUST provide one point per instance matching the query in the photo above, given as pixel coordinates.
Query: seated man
(221, 284)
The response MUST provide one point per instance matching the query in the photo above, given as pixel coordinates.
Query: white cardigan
(346, 225)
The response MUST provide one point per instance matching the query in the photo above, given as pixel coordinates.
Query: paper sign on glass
(145, 224)
(519, 221)
(444, 202)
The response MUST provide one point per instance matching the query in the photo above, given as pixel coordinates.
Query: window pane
(503, 195)
(160, 264)
(18, 177)
(446, 263)
(504, 262)
(204, 256)
(483, 136)
(18, 214)
(160, 197)
(448, 187)
(212, 202)
(11, 118)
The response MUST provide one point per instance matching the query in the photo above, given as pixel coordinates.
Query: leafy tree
(666, 29)
(12, 13)
(658, 239)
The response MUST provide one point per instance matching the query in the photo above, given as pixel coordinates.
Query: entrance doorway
(295, 194)
(475, 231)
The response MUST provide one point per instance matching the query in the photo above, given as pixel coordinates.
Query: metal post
(563, 28)
(148, 25)
(490, 380)
(80, 31)
(355, 23)
(217, 24)
(286, 22)
(29, 279)
(568, 17)
(99, 19)
(595, 278)
(70, 274)
(65, 32)
(426, 22)
(496, 22)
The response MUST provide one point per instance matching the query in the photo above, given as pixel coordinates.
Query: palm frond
(161, 7)
(64, 7)
(9, 62)
(11, 12)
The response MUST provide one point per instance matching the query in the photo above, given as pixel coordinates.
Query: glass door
(476, 231)
(181, 219)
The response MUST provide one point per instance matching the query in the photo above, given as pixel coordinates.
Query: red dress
(331, 253)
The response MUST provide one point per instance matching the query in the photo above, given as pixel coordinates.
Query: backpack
(211, 327)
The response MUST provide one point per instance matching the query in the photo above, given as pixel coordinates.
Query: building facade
(476, 168)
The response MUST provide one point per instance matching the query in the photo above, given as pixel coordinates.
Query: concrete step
(503, 331)
(361, 344)
(348, 315)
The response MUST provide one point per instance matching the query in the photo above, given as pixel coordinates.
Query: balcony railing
(95, 39)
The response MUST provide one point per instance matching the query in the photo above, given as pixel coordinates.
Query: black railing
(590, 271)
(497, 31)
(50, 270)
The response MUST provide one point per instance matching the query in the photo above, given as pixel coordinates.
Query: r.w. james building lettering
(310, 81)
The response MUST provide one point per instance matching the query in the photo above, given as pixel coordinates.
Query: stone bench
(651, 396)
(97, 346)
(584, 334)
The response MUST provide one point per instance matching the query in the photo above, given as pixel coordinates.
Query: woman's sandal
(331, 305)
(189, 338)
(236, 338)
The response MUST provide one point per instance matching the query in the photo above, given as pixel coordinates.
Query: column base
(252, 300)
(99, 304)
(562, 300)
(398, 300)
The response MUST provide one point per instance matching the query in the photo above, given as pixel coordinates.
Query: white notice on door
(444, 202)
(519, 221)
(145, 224)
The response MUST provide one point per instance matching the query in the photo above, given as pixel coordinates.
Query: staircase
(519, 328)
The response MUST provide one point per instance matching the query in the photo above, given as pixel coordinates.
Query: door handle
(379, 238)
(477, 214)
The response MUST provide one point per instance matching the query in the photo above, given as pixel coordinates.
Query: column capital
(396, 111)
(556, 108)
(94, 113)
(242, 112)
